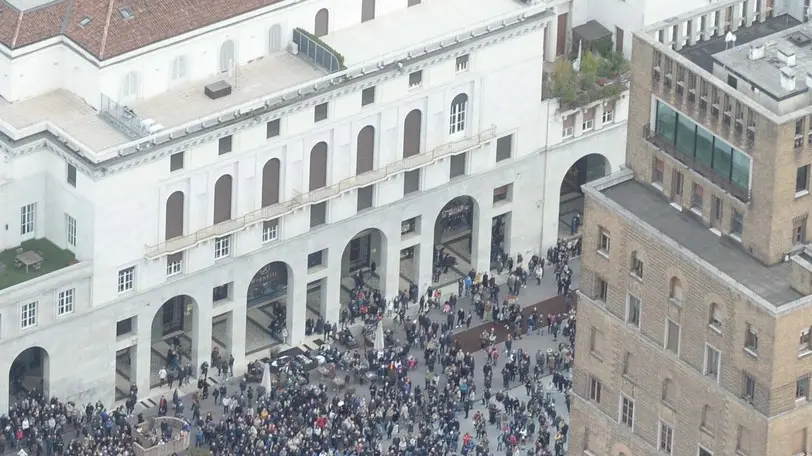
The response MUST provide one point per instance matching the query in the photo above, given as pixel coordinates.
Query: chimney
(786, 57)
(787, 78)
(756, 51)
(801, 271)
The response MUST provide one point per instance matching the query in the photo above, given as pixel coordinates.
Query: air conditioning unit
(293, 48)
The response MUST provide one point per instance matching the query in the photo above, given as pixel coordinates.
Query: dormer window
(126, 13)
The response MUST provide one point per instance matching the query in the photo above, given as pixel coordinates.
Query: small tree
(565, 82)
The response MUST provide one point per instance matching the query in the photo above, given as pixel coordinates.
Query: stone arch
(321, 24)
(223, 191)
(318, 166)
(456, 233)
(270, 182)
(458, 111)
(175, 212)
(412, 133)
(716, 318)
(270, 293)
(620, 449)
(367, 251)
(367, 10)
(30, 370)
(228, 56)
(365, 150)
(174, 335)
(585, 169)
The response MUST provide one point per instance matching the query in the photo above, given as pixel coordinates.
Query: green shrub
(597, 78)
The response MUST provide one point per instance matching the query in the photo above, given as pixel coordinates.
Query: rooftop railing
(317, 51)
(319, 195)
(122, 118)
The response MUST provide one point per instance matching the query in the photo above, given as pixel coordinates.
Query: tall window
(28, 219)
(736, 223)
(715, 316)
(672, 333)
(627, 411)
(222, 199)
(28, 315)
(457, 118)
(713, 360)
(222, 247)
(130, 86)
(178, 70)
(126, 279)
(412, 126)
(65, 301)
(367, 10)
(636, 267)
(322, 23)
(227, 56)
(275, 38)
(70, 230)
(318, 166)
(666, 437)
(365, 150)
(751, 338)
(633, 308)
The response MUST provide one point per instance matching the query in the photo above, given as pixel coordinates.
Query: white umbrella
(378, 345)
(266, 377)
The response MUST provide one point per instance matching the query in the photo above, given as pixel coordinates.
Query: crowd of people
(402, 414)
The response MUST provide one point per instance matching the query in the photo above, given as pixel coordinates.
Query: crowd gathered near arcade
(365, 398)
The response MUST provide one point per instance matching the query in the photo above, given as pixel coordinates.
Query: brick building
(695, 309)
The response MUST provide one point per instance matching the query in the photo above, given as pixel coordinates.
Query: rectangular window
(174, 264)
(627, 411)
(637, 266)
(740, 170)
(365, 195)
(595, 388)
(176, 161)
(666, 123)
(124, 327)
(71, 177)
(28, 219)
(697, 197)
(70, 230)
(272, 129)
(411, 181)
(222, 247)
(717, 210)
(704, 148)
(658, 171)
(805, 342)
(799, 230)
(315, 259)
(504, 148)
(686, 135)
(462, 63)
(224, 145)
(318, 214)
(676, 185)
(743, 440)
(633, 308)
(368, 96)
(713, 361)
(503, 193)
(802, 179)
(722, 158)
(416, 79)
(799, 446)
(320, 112)
(704, 452)
(751, 338)
(222, 292)
(608, 115)
(568, 126)
(601, 289)
(672, 336)
(28, 315)
(65, 302)
(736, 223)
(270, 230)
(666, 438)
(596, 341)
(604, 241)
(802, 388)
(588, 122)
(748, 391)
(457, 165)
(126, 279)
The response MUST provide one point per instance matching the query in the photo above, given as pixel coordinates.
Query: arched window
(715, 316)
(227, 56)
(270, 182)
(131, 85)
(178, 70)
(318, 166)
(365, 150)
(668, 391)
(675, 289)
(174, 215)
(636, 266)
(412, 132)
(459, 105)
(367, 10)
(222, 199)
(275, 38)
(322, 23)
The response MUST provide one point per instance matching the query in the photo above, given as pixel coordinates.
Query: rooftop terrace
(53, 259)
(770, 282)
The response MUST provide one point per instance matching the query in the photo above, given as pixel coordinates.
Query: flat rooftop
(181, 104)
(428, 21)
(704, 52)
(53, 259)
(770, 282)
(765, 72)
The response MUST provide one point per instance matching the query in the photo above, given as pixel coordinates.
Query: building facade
(695, 311)
(215, 182)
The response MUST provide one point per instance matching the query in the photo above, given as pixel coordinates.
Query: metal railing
(662, 143)
(322, 194)
(317, 51)
(122, 117)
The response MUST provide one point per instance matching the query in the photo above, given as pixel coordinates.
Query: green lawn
(55, 259)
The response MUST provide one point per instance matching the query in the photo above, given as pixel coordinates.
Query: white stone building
(173, 173)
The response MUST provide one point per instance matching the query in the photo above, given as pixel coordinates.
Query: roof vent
(786, 57)
(799, 39)
(756, 51)
(787, 78)
(217, 90)
(126, 13)
(85, 21)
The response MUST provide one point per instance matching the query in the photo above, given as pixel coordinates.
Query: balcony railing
(123, 118)
(322, 194)
(703, 169)
(318, 51)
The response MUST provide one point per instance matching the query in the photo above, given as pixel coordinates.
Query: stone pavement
(532, 295)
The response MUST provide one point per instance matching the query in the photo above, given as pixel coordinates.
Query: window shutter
(589, 114)
(569, 121)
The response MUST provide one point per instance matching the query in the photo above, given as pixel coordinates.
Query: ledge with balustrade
(319, 195)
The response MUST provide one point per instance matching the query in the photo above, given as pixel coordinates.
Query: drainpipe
(545, 150)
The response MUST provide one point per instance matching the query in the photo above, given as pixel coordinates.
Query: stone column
(550, 40)
(481, 239)
(201, 336)
(425, 258)
(331, 295)
(237, 322)
(297, 303)
(141, 357)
